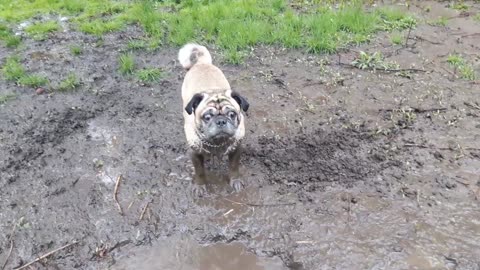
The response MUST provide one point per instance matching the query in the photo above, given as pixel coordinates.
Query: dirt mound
(343, 156)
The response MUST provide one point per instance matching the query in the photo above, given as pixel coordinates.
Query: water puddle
(185, 254)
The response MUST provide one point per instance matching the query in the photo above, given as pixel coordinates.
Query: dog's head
(217, 116)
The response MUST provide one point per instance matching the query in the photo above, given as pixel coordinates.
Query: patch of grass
(70, 83)
(234, 56)
(373, 61)
(127, 64)
(4, 98)
(477, 17)
(393, 19)
(12, 69)
(76, 50)
(7, 36)
(460, 6)
(99, 27)
(396, 38)
(233, 26)
(135, 45)
(145, 13)
(39, 31)
(13, 41)
(32, 81)
(461, 67)
(149, 75)
(441, 21)
(19, 10)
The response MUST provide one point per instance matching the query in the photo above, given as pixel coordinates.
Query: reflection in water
(185, 254)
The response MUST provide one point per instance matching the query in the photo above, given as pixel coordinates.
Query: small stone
(397, 249)
(450, 185)
(40, 91)
(438, 155)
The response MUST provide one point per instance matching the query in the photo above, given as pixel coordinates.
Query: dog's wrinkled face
(217, 117)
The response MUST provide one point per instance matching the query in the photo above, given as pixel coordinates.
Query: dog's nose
(221, 122)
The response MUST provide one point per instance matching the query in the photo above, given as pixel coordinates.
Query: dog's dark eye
(232, 114)
(207, 117)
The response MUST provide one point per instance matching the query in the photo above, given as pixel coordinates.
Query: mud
(340, 173)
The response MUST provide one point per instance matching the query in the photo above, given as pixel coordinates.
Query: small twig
(259, 205)
(408, 36)
(305, 242)
(471, 105)
(417, 110)
(12, 234)
(439, 148)
(415, 145)
(386, 69)
(144, 210)
(424, 39)
(470, 35)
(115, 192)
(45, 255)
(130, 205)
(228, 212)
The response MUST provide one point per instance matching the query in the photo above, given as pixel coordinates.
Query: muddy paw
(199, 190)
(237, 184)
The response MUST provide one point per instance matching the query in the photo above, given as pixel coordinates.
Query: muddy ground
(339, 174)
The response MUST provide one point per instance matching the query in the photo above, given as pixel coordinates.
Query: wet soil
(340, 173)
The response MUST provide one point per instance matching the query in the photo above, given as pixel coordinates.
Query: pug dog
(214, 115)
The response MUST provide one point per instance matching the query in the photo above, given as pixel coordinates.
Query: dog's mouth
(222, 135)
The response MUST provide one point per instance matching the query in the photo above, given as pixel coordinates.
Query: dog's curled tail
(191, 54)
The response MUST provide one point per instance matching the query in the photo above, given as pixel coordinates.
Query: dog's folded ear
(244, 105)
(193, 104)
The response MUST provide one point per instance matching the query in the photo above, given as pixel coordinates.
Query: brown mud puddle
(188, 255)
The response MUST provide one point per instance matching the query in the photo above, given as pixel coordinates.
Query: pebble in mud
(40, 91)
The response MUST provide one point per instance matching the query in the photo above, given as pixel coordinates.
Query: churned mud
(345, 168)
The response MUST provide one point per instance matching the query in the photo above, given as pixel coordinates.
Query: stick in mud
(11, 245)
(115, 192)
(259, 205)
(45, 256)
(143, 211)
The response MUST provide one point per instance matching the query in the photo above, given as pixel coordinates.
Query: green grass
(149, 75)
(13, 70)
(441, 21)
(99, 27)
(136, 45)
(69, 83)
(396, 39)
(126, 63)
(477, 17)
(232, 26)
(33, 81)
(461, 67)
(19, 10)
(8, 37)
(4, 98)
(39, 31)
(373, 61)
(76, 50)
(460, 6)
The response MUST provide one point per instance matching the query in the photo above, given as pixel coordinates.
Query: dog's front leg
(234, 165)
(199, 179)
